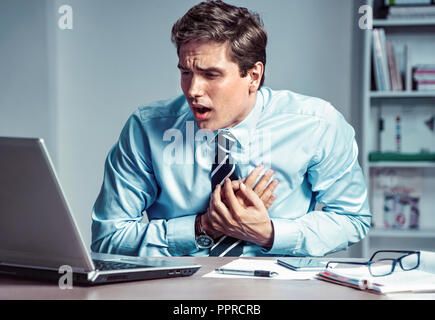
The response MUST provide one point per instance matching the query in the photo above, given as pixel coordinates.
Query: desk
(195, 288)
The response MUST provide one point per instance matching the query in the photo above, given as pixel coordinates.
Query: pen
(255, 273)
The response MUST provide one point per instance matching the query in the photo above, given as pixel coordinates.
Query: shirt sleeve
(129, 188)
(337, 183)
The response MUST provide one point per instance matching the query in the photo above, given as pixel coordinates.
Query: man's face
(217, 95)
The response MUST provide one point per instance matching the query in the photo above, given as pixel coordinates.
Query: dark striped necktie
(222, 168)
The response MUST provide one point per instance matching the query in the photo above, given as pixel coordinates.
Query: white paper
(259, 264)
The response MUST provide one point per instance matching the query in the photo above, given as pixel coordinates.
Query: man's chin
(204, 125)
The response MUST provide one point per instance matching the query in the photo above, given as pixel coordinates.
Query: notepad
(262, 264)
(399, 281)
(418, 280)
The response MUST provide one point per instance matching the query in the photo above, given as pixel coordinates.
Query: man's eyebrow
(211, 69)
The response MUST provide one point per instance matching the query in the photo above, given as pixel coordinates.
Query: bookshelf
(396, 164)
(403, 23)
(419, 35)
(401, 94)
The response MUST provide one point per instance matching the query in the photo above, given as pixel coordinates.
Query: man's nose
(196, 88)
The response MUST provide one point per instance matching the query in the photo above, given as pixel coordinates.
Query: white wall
(26, 106)
(119, 56)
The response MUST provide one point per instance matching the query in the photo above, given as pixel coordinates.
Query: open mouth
(201, 112)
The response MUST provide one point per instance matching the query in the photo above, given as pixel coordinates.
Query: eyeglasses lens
(409, 262)
(382, 267)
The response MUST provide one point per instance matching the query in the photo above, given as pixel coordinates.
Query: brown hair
(218, 21)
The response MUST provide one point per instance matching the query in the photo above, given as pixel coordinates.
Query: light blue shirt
(157, 178)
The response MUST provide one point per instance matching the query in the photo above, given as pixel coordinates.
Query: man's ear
(255, 75)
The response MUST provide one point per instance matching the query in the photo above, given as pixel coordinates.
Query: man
(200, 201)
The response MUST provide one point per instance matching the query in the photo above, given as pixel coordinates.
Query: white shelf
(396, 233)
(401, 94)
(402, 164)
(403, 22)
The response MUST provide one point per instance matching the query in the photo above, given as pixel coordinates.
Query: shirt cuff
(287, 237)
(181, 235)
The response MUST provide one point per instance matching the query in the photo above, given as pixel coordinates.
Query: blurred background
(75, 88)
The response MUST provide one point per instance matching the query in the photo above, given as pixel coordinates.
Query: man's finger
(219, 207)
(252, 178)
(270, 201)
(261, 185)
(269, 190)
(236, 184)
(251, 196)
(231, 197)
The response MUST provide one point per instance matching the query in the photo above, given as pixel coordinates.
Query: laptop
(39, 237)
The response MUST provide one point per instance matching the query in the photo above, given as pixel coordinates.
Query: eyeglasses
(380, 266)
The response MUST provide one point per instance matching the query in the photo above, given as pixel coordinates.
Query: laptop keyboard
(115, 265)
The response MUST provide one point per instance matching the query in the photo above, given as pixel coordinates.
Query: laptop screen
(36, 225)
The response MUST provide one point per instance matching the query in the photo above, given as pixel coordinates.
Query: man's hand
(215, 220)
(248, 221)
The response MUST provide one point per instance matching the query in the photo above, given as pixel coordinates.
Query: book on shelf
(421, 279)
(395, 76)
(395, 197)
(417, 9)
(407, 2)
(380, 60)
(424, 77)
(387, 73)
(424, 71)
(408, 67)
(425, 85)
